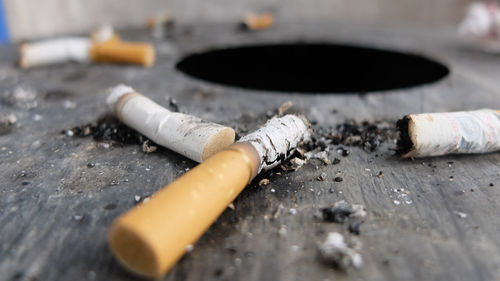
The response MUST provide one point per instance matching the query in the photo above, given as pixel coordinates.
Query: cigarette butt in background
(123, 52)
(159, 23)
(163, 18)
(153, 236)
(103, 46)
(253, 21)
(104, 33)
(185, 134)
(54, 51)
(433, 134)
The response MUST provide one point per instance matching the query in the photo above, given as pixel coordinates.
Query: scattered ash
(321, 177)
(293, 164)
(20, 97)
(57, 94)
(367, 135)
(108, 128)
(6, 122)
(321, 155)
(336, 252)
(282, 109)
(342, 212)
(147, 147)
(263, 182)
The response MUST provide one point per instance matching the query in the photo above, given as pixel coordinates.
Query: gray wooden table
(55, 210)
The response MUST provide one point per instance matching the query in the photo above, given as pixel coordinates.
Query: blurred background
(32, 19)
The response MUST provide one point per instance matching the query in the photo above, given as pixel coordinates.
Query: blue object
(4, 30)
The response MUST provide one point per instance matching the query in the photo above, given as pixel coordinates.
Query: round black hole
(312, 68)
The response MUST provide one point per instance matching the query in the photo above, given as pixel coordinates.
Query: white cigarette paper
(453, 132)
(55, 51)
(278, 139)
(185, 134)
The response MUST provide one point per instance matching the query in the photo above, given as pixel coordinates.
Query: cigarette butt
(185, 134)
(434, 134)
(261, 21)
(54, 51)
(123, 52)
(162, 18)
(152, 237)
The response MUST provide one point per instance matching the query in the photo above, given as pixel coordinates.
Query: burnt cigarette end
(404, 143)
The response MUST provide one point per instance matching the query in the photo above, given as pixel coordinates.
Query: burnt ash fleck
(354, 226)
(338, 214)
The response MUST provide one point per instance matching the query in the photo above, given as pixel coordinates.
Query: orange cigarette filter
(258, 21)
(116, 51)
(153, 236)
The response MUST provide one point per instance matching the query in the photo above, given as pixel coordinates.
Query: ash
(108, 128)
(337, 252)
(367, 135)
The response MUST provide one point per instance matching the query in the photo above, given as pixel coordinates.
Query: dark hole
(312, 68)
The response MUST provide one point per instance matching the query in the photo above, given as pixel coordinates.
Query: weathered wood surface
(45, 180)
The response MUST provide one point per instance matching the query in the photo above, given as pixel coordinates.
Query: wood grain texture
(55, 211)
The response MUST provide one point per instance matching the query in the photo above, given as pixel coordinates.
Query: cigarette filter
(123, 52)
(254, 21)
(153, 236)
(433, 134)
(185, 134)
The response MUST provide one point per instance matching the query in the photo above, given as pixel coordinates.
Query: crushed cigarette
(185, 134)
(434, 134)
(278, 139)
(150, 247)
(337, 252)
